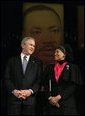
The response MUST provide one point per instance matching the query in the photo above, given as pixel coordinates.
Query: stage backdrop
(44, 22)
(80, 10)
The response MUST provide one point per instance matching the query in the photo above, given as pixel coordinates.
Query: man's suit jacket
(15, 79)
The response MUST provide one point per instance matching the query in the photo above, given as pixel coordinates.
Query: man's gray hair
(24, 40)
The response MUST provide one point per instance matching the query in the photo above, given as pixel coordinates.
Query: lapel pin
(67, 67)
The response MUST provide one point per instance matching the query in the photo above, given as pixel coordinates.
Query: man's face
(45, 27)
(29, 47)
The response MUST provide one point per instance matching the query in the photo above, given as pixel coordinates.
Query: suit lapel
(19, 64)
(29, 65)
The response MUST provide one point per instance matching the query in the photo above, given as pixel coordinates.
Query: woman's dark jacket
(66, 86)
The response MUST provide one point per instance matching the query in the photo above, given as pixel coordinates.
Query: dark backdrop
(11, 30)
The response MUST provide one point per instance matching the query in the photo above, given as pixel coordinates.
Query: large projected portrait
(44, 22)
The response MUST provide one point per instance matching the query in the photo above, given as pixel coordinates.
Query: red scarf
(58, 69)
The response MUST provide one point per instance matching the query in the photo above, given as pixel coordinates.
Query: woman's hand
(54, 100)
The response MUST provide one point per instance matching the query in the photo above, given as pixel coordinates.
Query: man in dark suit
(22, 84)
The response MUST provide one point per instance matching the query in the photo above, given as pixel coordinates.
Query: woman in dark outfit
(61, 81)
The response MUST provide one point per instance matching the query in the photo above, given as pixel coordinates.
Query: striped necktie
(24, 63)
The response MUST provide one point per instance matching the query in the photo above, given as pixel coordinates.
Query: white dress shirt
(27, 57)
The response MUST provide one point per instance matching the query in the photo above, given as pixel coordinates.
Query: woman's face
(45, 27)
(59, 55)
